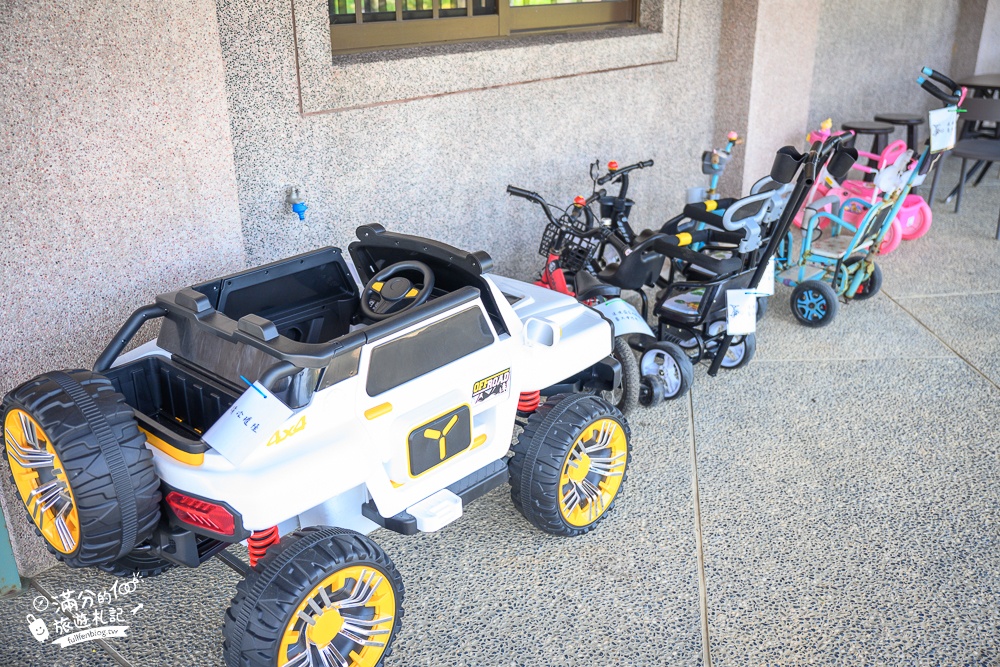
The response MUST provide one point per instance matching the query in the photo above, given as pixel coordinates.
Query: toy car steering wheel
(388, 294)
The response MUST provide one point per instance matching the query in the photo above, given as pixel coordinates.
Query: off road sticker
(495, 385)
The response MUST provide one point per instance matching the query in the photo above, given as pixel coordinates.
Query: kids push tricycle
(839, 262)
(390, 405)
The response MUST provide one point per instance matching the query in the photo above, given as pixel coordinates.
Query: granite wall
(425, 141)
(988, 53)
(117, 177)
(869, 54)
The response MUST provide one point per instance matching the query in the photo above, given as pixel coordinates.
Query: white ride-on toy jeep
(390, 408)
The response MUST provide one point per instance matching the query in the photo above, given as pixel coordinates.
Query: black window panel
(424, 350)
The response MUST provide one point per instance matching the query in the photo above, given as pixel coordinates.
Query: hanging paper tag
(247, 425)
(741, 312)
(625, 317)
(766, 286)
(942, 125)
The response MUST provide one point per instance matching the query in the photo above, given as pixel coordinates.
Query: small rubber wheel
(569, 464)
(81, 467)
(870, 287)
(917, 219)
(740, 352)
(626, 395)
(814, 303)
(322, 596)
(761, 307)
(671, 364)
(652, 389)
(893, 237)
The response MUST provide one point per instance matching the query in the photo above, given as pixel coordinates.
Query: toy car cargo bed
(173, 405)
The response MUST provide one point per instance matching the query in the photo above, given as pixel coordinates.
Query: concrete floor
(848, 482)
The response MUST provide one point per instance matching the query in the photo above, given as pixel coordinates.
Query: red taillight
(201, 513)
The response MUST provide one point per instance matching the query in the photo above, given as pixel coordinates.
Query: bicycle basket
(575, 251)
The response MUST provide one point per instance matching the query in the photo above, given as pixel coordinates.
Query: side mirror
(538, 331)
(595, 170)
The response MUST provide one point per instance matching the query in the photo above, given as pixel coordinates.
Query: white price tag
(625, 317)
(248, 424)
(766, 286)
(741, 312)
(942, 125)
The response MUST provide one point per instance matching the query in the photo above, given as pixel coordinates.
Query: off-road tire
(138, 562)
(630, 378)
(541, 450)
(108, 467)
(266, 599)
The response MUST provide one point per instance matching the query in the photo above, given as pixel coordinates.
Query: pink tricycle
(914, 216)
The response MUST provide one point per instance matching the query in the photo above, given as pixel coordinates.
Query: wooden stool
(880, 136)
(909, 120)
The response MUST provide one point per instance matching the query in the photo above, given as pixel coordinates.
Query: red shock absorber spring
(259, 542)
(528, 401)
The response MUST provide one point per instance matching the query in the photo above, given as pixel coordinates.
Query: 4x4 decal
(280, 435)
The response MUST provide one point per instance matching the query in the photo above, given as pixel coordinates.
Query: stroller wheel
(740, 353)
(870, 287)
(814, 303)
(761, 307)
(669, 364)
(651, 389)
(626, 395)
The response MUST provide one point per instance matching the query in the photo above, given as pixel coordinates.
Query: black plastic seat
(589, 287)
(908, 120)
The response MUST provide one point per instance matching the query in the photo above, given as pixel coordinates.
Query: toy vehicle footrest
(468, 488)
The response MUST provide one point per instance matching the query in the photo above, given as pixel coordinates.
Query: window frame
(509, 21)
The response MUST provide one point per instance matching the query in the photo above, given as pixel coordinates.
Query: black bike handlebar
(940, 78)
(623, 170)
(951, 96)
(937, 92)
(535, 197)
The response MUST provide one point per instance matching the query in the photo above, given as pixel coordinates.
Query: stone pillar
(764, 81)
(988, 53)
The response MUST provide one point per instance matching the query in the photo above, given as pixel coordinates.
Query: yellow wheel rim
(592, 472)
(346, 621)
(41, 480)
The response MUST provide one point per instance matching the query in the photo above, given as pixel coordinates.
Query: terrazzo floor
(847, 497)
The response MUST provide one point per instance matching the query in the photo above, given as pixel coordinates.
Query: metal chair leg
(961, 187)
(998, 227)
(982, 174)
(934, 180)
